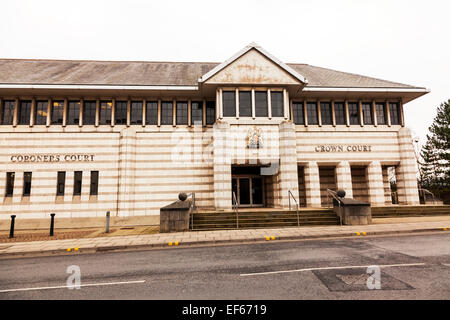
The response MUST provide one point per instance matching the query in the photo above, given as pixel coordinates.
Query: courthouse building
(79, 138)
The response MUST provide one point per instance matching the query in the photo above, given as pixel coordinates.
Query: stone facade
(144, 167)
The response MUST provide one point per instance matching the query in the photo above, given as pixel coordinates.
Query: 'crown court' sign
(343, 148)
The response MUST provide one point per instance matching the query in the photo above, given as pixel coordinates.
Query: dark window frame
(120, 112)
(339, 113)
(245, 103)
(210, 112)
(57, 117)
(167, 112)
(9, 189)
(353, 113)
(181, 113)
(298, 113)
(42, 106)
(326, 113)
(312, 113)
(196, 113)
(27, 177)
(381, 116)
(229, 103)
(77, 183)
(93, 188)
(396, 115)
(136, 109)
(367, 113)
(61, 183)
(277, 106)
(73, 112)
(151, 112)
(89, 112)
(24, 112)
(7, 118)
(105, 112)
(261, 104)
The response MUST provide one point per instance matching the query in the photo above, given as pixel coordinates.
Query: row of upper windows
(87, 112)
(60, 185)
(245, 103)
(353, 113)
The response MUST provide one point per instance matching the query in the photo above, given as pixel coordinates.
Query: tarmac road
(411, 267)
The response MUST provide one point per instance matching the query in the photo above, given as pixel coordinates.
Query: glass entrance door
(249, 190)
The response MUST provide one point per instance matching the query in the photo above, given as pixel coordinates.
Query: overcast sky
(404, 40)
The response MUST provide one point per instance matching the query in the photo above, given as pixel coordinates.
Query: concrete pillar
(127, 157)
(288, 175)
(312, 185)
(344, 178)
(406, 171)
(375, 183)
(222, 166)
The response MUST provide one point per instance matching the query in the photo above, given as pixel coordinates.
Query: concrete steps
(263, 219)
(410, 211)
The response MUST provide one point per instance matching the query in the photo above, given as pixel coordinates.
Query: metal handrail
(338, 199)
(428, 192)
(193, 208)
(235, 208)
(289, 196)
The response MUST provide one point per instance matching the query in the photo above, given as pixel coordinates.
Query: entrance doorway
(248, 187)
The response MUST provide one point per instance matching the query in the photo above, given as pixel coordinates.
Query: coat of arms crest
(254, 138)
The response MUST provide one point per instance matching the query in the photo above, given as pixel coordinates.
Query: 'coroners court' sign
(343, 148)
(52, 158)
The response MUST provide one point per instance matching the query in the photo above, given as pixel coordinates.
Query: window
(120, 113)
(40, 115)
(7, 112)
(182, 113)
(57, 112)
(196, 113)
(136, 112)
(61, 183)
(245, 103)
(353, 112)
(394, 110)
(73, 113)
(311, 108)
(24, 112)
(151, 113)
(298, 113)
(339, 112)
(229, 103)
(325, 113)
(77, 183)
(367, 113)
(26, 184)
(210, 112)
(261, 104)
(276, 100)
(9, 184)
(381, 113)
(105, 112)
(166, 112)
(94, 183)
(89, 108)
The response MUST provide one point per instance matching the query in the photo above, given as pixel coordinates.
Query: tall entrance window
(40, 116)
(24, 112)
(261, 104)
(196, 113)
(248, 186)
(7, 112)
(276, 101)
(229, 103)
(245, 103)
(89, 108)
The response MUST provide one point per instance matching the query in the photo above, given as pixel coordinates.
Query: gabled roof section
(253, 46)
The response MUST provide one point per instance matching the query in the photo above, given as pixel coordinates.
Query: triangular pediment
(253, 65)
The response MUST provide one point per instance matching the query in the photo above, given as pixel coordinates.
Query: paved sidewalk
(181, 239)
